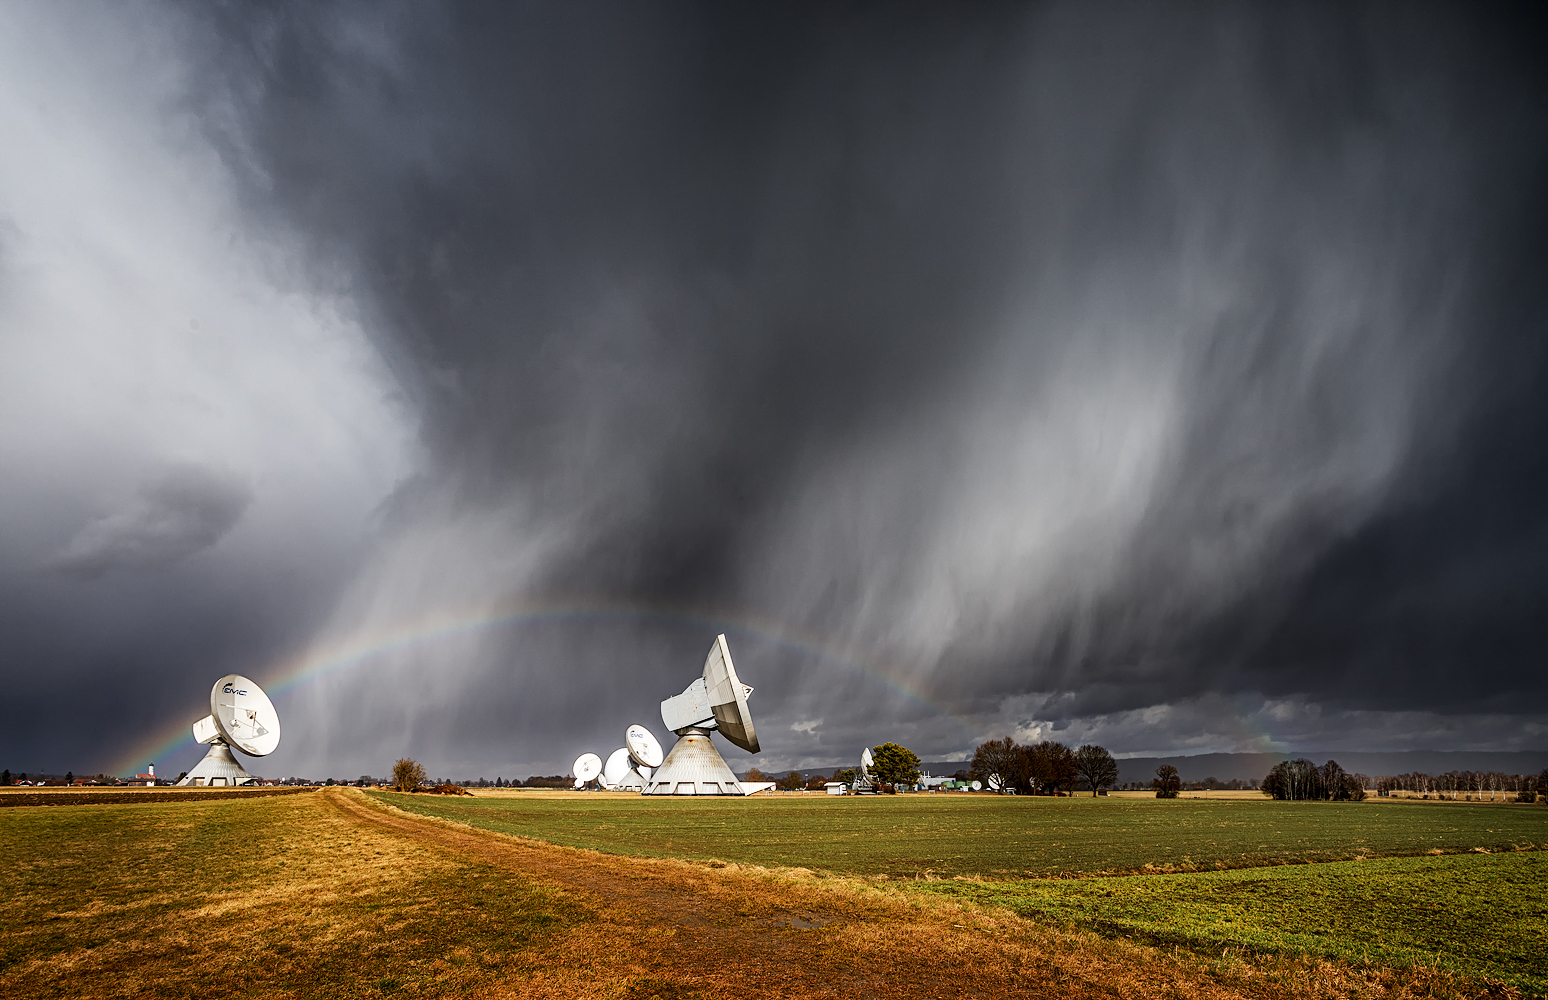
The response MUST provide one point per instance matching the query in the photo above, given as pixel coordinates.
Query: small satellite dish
(630, 769)
(587, 767)
(978, 786)
(643, 747)
(865, 782)
(617, 768)
(580, 782)
(996, 782)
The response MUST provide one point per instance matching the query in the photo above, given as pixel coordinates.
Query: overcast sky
(1169, 377)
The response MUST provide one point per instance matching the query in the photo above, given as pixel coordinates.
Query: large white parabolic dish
(728, 697)
(244, 715)
(717, 699)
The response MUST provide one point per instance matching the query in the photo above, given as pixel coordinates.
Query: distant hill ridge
(1248, 766)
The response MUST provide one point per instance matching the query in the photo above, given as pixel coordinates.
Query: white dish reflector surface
(587, 767)
(728, 697)
(643, 747)
(244, 715)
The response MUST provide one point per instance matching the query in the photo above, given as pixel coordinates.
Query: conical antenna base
(693, 767)
(219, 767)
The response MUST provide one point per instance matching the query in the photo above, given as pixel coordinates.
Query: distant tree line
(1046, 768)
(1209, 784)
(1301, 780)
(68, 778)
(1465, 785)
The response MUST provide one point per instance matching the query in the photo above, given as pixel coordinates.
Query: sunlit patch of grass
(1480, 915)
(1260, 876)
(957, 835)
(278, 894)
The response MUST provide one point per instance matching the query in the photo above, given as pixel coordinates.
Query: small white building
(835, 788)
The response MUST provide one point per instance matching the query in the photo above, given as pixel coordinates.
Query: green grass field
(911, 836)
(1386, 882)
(1480, 915)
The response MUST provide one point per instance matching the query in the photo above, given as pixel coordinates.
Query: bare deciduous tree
(1097, 766)
(407, 774)
(1000, 758)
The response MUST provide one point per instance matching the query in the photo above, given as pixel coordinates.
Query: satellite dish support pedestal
(219, 766)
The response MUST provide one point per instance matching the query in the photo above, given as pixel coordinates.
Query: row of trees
(1045, 768)
(1496, 785)
(1301, 780)
(891, 765)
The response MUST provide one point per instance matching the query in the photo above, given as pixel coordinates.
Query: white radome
(617, 767)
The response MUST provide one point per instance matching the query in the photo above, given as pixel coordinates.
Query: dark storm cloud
(1099, 371)
(179, 513)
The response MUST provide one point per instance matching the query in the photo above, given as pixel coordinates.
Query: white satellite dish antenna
(865, 781)
(996, 782)
(642, 757)
(242, 717)
(643, 747)
(618, 766)
(587, 768)
(716, 700)
(978, 786)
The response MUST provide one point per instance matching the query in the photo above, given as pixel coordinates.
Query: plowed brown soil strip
(676, 929)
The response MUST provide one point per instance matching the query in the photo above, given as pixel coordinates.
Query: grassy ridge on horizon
(987, 836)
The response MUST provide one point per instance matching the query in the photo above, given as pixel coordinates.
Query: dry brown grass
(336, 895)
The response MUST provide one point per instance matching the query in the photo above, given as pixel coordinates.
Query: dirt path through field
(674, 930)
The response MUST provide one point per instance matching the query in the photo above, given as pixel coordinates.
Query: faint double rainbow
(361, 647)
